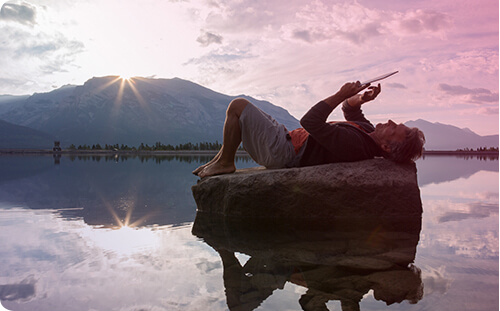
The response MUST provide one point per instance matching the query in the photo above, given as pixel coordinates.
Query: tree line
(158, 146)
(153, 158)
(482, 149)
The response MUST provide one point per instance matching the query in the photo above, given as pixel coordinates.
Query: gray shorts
(265, 140)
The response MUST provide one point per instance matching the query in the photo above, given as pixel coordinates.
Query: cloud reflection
(23, 291)
(475, 210)
(436, 281)
(124, 241)
(86, 268)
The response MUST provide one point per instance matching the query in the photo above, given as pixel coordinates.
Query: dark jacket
(338, 142)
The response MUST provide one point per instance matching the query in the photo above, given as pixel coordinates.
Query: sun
(125, 82)
(126, 77)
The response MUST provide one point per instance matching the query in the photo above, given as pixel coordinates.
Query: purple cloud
(21, 13)
(420, 20)
(477, 95)
(396, 85)
(302, 35)
(476, 210)
(208, 38)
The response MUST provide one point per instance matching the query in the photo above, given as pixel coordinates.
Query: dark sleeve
(344, 143)
(353, 113)
(314, 121)
(332, 137)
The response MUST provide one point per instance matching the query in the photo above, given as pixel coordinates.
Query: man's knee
(237, 105)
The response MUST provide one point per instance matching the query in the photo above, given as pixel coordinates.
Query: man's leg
(223, 162)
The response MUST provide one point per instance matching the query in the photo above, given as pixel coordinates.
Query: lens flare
(126, 77)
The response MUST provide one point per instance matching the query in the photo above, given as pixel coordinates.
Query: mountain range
(440, 136)
(111, 110)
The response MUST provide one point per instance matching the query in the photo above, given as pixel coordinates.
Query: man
(319, 142)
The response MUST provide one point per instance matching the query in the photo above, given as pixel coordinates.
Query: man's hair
(410, 149)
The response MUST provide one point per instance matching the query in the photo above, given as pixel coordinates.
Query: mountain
(8, 102)
(448, 137)
(21, 137)
(110, 110)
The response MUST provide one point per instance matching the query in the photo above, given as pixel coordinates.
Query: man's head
(399, 142)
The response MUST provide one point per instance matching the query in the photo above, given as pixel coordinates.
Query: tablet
(387, 75)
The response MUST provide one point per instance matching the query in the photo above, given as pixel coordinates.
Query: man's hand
(358, 99)
(350, 89)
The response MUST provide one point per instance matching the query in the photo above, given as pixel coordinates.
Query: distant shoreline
(446, 152)
(191, 152)
(112, 152)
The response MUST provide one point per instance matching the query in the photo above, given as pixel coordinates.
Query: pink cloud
(488, 111)
(424, 21)
(477, 95)
(208, 38)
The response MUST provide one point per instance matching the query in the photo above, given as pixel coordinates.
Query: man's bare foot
(217, 168)
(200, 168)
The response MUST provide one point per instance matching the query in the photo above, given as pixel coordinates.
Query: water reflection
(18, 292)
(57, 251)
(156, 158)
(59, 264)
(438, 169)
(471, 156)
(431, 168)
(339, 260)
(107, 191)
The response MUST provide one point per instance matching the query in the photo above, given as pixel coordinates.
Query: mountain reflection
(435, 169)
(339, 260)
(156, 187)
(104, 191)
(431, 168)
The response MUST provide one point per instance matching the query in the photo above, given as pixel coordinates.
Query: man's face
(391, 131)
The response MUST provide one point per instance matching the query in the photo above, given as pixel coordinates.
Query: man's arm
(314, 121)
(316, 117)
(352, 106)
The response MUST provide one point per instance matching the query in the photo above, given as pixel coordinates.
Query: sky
(292, 53)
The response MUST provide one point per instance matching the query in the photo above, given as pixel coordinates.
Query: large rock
(368, 188)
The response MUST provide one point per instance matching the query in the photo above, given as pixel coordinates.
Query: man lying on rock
(271, 145)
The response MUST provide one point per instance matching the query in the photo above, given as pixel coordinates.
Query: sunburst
(125, 81)
(126, 77)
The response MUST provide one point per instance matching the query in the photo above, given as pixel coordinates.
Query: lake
(119, 233)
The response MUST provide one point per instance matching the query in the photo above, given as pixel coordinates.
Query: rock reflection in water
(339, 260)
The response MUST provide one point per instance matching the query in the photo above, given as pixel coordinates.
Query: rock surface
(376, 187)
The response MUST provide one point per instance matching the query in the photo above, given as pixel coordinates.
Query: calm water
(90, 233)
